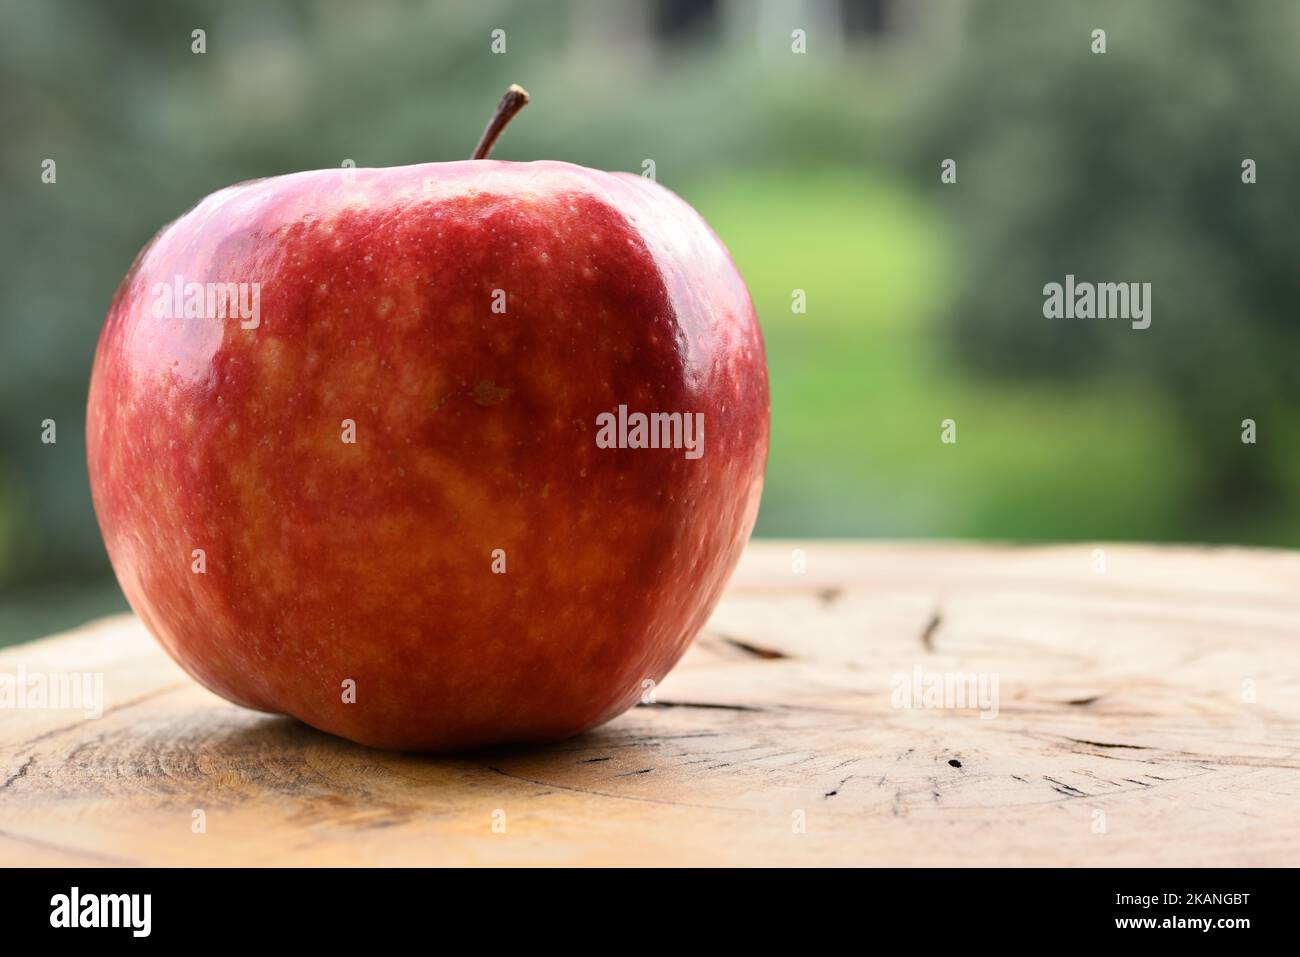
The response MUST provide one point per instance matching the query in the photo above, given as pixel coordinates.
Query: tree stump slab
(848, 704)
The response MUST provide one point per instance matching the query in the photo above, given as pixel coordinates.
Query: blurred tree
(1127, 166)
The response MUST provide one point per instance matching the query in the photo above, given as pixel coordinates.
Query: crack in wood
(1108, 744)
(141, 699)
(931, 627)
(836, 790)
(21, 772)
(702, 704)
(1066, 789)
(767, 654)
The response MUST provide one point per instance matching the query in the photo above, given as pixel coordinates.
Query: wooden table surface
(1147, 712)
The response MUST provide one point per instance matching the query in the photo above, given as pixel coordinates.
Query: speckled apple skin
(475, 431)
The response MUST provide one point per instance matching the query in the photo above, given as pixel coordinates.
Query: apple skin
(475, 431)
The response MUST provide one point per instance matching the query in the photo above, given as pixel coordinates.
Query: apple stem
(515, 99)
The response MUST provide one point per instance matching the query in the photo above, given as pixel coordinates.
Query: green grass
(860, 385)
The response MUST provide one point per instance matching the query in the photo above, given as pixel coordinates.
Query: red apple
(381, 498)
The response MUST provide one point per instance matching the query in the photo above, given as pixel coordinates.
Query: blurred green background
(820, 170)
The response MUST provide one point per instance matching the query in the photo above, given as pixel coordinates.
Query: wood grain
(1147, 713)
